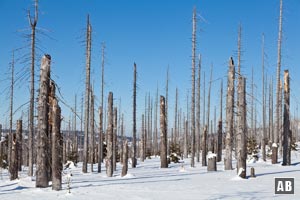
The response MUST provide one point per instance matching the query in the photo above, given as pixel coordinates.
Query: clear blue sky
(154, 34)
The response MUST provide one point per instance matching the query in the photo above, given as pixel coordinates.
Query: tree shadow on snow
(280, 172)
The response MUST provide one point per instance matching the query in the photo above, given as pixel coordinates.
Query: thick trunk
(19, 144)
(286, 143)
(163, 134)
(125, 159)
(110, 126)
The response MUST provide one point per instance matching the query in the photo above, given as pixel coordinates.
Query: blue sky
(154, 34)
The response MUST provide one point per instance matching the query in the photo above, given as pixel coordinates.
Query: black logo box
(284, 185)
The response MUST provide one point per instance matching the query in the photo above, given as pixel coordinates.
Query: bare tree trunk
(277, 129)
(193, 90)
(185, 145)
(143, 139)
(176, 116)
(263, 144)
(19, 143)
(229, 116)
(87, 95)
(110, 126)
(220, 127)
(286, 143)
(163, 134)
(100, 145)
(241, 134)
(102, 106)
(280, 136)
(10, 137)
(92, 132)
(13, 165)
(204, 146)
(125, 160)
(57, 148)
(42, 178)
(155, 125)
(198, 108)
(134, 119)
(115, 135)
(33, 23)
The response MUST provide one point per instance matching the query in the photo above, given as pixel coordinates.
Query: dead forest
(170, 133)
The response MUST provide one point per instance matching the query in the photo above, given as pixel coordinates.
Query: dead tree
(198, 108)
(163, 134)
(204, 145)
(92, 132)
(125, 159)
(277, 129)
(13, 165)
(115, 135)
(143, 139)
(87, 95)
(134, 119)
(100, 159)
(19, 143)
(42, 176)
(263, 145)
(11, 110)
(193, 90)
(155, 124)
(241, 133)
(286, 143)
(110, 126)
(100, 145)
(229, 116)
(57, 147)
(33, 22)
(220, 127)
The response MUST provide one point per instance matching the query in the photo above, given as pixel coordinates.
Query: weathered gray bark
(125, 159)
(229, 116)
(277, 129)
(87, 95)
(263, 145)
(110, 126)
(143, 139)
(220, 127)
(19, 143)
(286, 143)
(102, 106)
(57, 148)
(198, 108)
(10, 137)
(134, 119)
(92, 132)
(212, 163)
(242, 130)
(163, 134)
(100, 145)
(13, 165)
(115, 135)
(42, 176)
(204, 146)
(155, 125)
(33, 23)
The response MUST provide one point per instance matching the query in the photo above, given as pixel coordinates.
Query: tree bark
(134, 119)
(13, 165)
(115, 135)
(42, 178)
(19, 144)
(220, 127)
(110, 126)
(198, 108)
(125, 160)
(229, 116)
(163, 134)
(286, 143)
(204, 146)
(57, 148)
(100, 145)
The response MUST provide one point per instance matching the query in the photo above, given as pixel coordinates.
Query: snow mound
(69, 165)
(129, 176)
(211, 155)
(274, 145)
(182, 169)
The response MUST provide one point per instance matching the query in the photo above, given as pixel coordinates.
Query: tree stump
(252, 172)
(212, 162)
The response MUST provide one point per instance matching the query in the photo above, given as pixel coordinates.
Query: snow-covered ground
(148, 181)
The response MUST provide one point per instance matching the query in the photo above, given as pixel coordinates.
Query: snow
(149, 181)
(211, 155)
(274, 145)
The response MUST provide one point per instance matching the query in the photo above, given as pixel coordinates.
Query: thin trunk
(134, 119)
(87, 95)
(263, 145)
(198, 108)
(277, 128)
(92, 131)
(102, 106)
(115, 137)
(100, 145)
(193, 90)
(10, 137)
(33, 23)
(125, 159)
(220, 126)
(19, 139)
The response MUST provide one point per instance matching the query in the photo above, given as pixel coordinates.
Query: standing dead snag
(163, 134)
(241, 133)
(263, 145)
(19, 143)
(229, 116)
(198, 108)
(286, 143)
(220, 127)
(110, 126)
(193, 90)
(100, 145)
(125, 159)
(13, 165)
(115, 135)
(134, 119)
(33, 23)
(278, 106)
(42, 178)
(204, 145)
(57, 142)
(87, 95)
